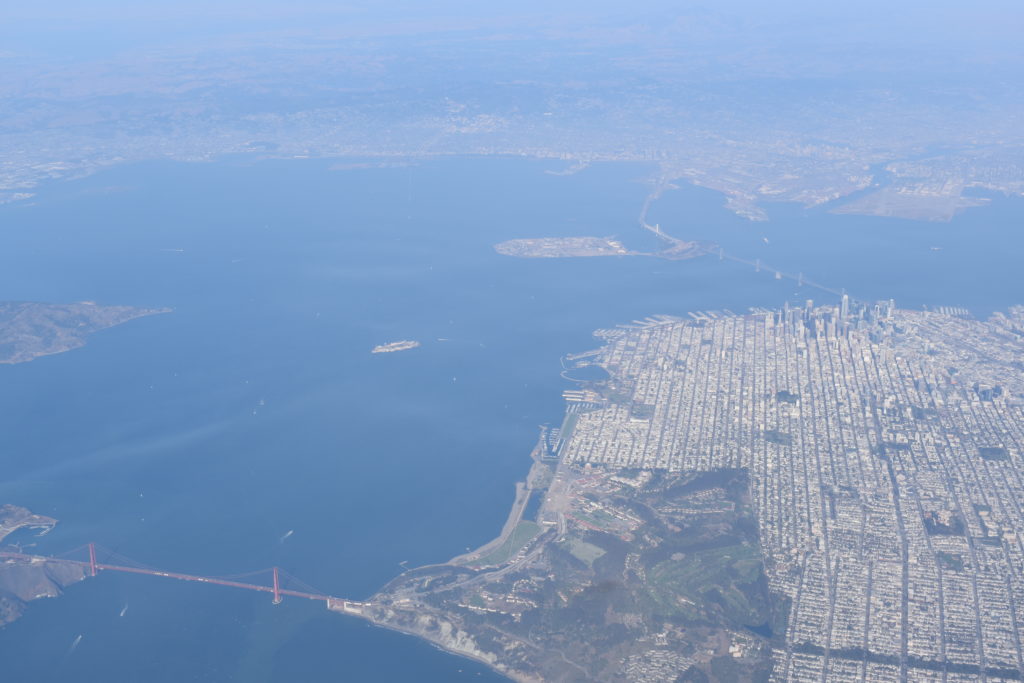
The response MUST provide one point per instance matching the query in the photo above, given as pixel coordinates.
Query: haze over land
(904, 116)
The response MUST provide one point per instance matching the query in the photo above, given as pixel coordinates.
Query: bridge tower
(92, 559)
(277, 588)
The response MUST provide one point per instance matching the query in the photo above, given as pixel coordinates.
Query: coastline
(524, 490)
(430, 626)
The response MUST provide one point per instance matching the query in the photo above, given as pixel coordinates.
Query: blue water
(972, 261)
(194, 441)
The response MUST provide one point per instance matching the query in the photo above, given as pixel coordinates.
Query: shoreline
(524, 490)
(448, 634)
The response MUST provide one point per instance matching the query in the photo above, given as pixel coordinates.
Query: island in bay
(29, 330)
(806, 494)
(575, 247)
(392, 347)
(562, 247)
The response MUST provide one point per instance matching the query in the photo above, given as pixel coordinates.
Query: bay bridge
(93, 559)
(663, 184)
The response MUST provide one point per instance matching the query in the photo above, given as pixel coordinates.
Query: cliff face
(10, 609)
(22, 581)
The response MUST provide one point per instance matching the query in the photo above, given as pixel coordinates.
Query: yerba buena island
(815, 493)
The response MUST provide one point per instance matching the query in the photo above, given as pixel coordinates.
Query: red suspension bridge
(280, 583)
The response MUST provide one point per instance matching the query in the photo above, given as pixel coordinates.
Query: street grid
(884, 448)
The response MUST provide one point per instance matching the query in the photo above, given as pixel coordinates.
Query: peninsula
(29, 330)
(13, 518)
(812, 493)
(22, 582)
(804, 494)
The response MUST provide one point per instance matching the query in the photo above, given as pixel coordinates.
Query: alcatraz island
(814, 493)
(392, 347)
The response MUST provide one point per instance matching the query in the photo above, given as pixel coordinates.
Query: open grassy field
(524, 532)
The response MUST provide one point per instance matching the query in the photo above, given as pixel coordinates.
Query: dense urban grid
(884, 453)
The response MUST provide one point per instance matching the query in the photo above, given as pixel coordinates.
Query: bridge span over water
(98, 559)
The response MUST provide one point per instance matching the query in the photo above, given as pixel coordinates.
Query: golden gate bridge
(96, 559)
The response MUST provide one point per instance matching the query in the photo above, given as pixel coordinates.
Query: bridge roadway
(91, 566)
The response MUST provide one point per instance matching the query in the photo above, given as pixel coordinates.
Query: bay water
(252, 426)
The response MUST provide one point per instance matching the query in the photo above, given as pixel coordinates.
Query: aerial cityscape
(298, 370)
(858, 462)
(880, 444)
(881, 448)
